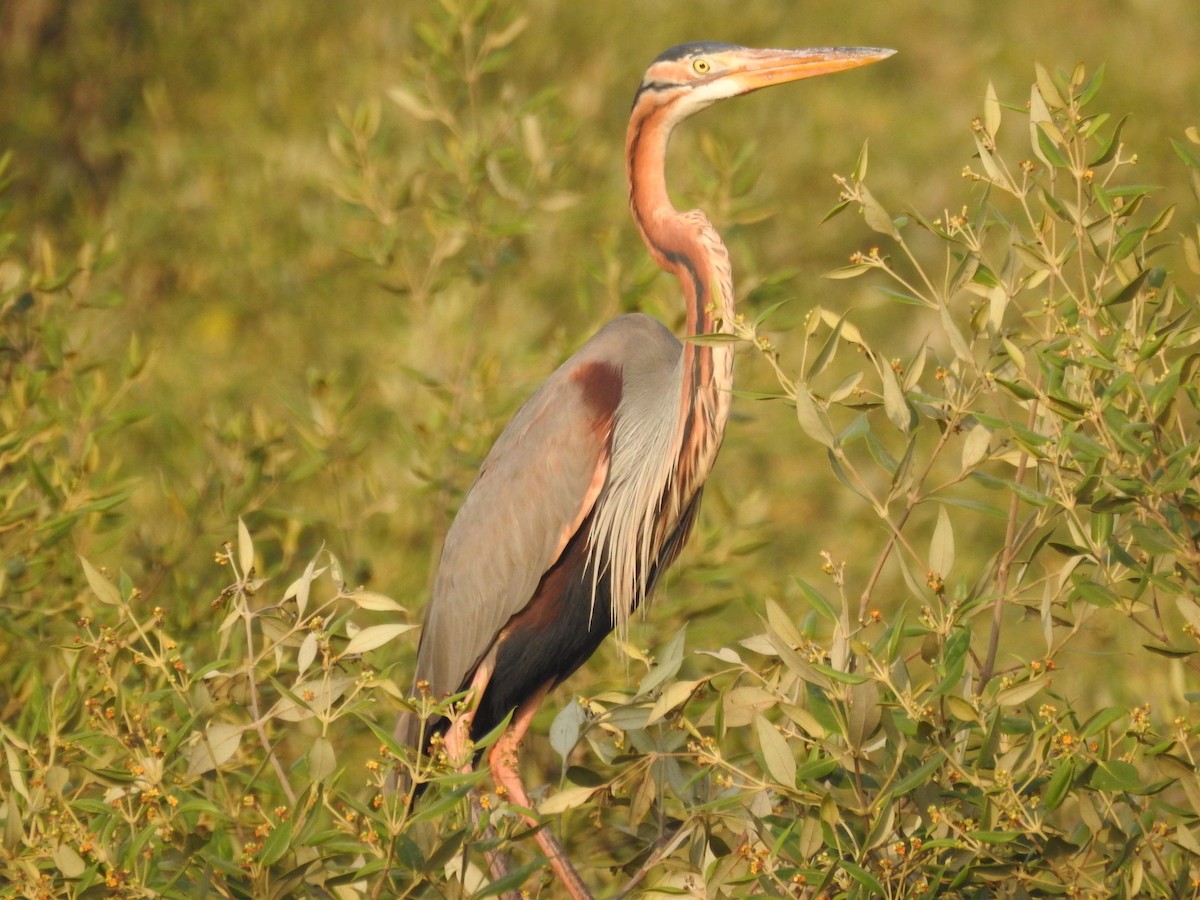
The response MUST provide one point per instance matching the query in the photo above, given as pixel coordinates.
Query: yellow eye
(701, 66)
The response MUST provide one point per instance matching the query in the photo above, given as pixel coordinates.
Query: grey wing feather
(510, 528)
(536, 485)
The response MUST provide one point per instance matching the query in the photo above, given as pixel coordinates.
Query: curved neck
(684, 244)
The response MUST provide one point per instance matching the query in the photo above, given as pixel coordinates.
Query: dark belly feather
(561, 627)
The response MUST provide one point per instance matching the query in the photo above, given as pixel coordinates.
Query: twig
(664, 849)
(1002, 571)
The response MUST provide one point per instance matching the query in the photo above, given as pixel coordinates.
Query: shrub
(922, 728)
(62, 396)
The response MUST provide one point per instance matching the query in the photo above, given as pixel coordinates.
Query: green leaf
(1110, 148)
(961, 349)
(818, 768)
(767, 313)
(510, 880)
(941, 546)
(811, 418)
(1019, 693)
(876, 216)
(863, 877)
(1088, 92)
(839, 675)
(434, 861)
(278, 842)
(245, 548)
(712, 339)
(995, 174)
(568, 798)
(1026, 493)
(961, 709)
(300, 588)
(673, 695)
(370, 600)
(834, 210)
(1154, 538)
(1169, 652)
(916, 778)
(860, 166)
(1048, 147)
(567, 727)
(859, 427)
(374, 636)
(759, 395)
(953, 661)
(69, 862)
(899, 296)
(1133, 191)
(903, 473)
(1047, 88)
(106, 592)
(1185, 153)
(894, 404)
(782, 623)
(975, 447)
(828, 349)
(1115, 775)
(1059, 784)
(216, 746)
(585, 777)
(851, 271)
(996, 837)
(1093, 593)
(322, 759)
(432, 810)
(1101, 720)
(1129, 242)
(964, 273)
(991, 111)
(777, 755)
(817, 600)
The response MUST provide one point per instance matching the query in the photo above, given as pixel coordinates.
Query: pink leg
(459, 754)
(503, 762)
(458, 735)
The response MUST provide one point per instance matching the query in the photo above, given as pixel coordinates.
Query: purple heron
(591, 490)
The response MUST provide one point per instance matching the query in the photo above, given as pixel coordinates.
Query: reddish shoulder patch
(600, 384)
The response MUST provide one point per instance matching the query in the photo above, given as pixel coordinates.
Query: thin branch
(664, 849)
(1005, 567)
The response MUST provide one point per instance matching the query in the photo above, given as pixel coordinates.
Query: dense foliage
(984, 685)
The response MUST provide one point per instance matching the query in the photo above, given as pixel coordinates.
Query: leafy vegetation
(978, 679)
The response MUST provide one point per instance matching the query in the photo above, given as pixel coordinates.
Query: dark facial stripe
(648, 86)
(678, 52)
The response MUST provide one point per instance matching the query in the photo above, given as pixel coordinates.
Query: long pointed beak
(762, 68)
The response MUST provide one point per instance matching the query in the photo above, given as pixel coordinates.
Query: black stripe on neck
(652, 86)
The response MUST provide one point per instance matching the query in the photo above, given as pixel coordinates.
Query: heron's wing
(532, 493)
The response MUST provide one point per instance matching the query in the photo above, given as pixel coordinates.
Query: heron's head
(690, 77)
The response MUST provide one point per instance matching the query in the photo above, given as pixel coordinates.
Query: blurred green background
(309, 370)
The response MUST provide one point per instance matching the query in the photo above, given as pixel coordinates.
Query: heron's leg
(504, 765)
(459, 754)
(458, 741)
